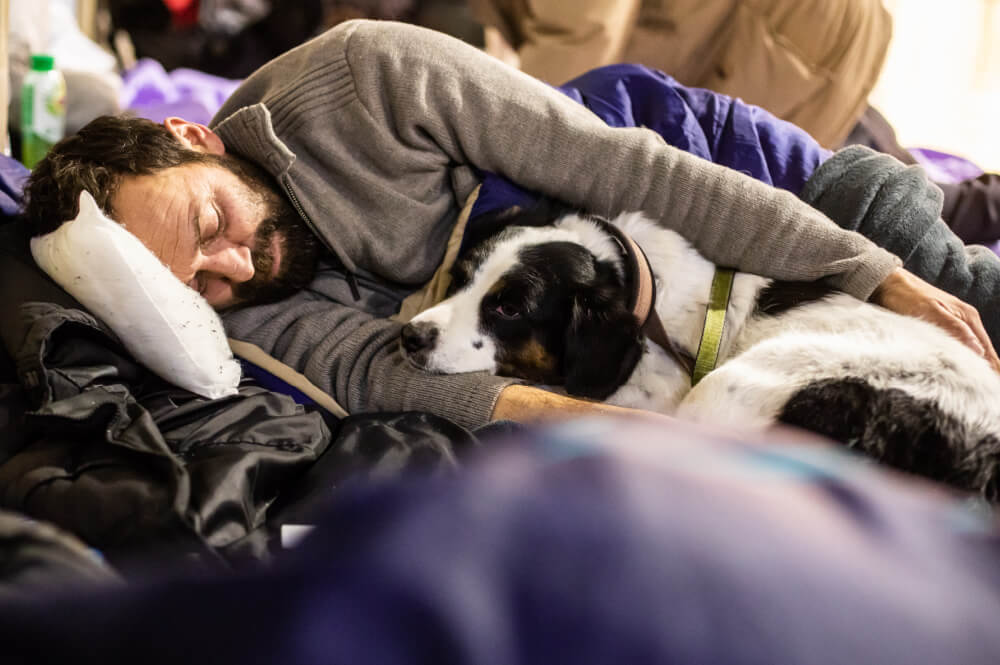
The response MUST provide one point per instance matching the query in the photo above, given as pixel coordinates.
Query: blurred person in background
(811, 62)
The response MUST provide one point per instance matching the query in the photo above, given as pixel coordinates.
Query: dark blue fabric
(267, 380)
(707, 124)
(595, 542)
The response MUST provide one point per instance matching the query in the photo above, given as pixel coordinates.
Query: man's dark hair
(96, 158)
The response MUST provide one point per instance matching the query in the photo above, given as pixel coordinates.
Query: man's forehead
(161, 211)
(164, 191)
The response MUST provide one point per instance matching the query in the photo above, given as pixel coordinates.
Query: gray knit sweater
(373, 130)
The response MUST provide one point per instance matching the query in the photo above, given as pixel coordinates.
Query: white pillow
(164, 323)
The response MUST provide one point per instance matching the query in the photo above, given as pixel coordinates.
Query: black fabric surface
(93, 442)
(37, 558)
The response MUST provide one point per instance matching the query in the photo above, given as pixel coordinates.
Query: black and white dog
(543, 296)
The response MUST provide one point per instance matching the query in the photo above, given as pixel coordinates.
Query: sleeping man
(329, 184)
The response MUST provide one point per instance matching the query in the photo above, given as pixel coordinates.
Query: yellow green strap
(715, 321)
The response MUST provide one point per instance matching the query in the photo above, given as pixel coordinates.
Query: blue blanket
(707, 124)
(12, 177)
(590, 543)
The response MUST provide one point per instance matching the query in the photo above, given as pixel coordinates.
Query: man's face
(221, 228)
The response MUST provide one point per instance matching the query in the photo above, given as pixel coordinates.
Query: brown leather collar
(642, 295)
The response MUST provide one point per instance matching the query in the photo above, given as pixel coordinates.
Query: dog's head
(542, 303)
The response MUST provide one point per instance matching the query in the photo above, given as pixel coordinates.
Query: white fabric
(165, 324)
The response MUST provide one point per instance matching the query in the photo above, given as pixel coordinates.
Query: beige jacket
(812, 62)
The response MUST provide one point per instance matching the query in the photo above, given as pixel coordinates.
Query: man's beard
(299, 246)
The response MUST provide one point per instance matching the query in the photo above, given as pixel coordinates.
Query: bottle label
(48, 110)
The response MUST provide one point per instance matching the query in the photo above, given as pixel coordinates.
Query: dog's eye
(507, 311)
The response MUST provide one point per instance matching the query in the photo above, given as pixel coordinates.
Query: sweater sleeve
(425, 87)
(355, 357)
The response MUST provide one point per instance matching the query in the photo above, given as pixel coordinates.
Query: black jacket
(93, 442)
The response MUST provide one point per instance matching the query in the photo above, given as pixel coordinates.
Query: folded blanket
(898, 208)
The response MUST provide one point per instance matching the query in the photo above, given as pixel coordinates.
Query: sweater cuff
(469, 401)
(872, 270)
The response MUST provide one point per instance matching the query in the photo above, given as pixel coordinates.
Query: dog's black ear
(603, 345)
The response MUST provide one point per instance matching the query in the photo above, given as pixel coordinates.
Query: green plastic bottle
(43, 109)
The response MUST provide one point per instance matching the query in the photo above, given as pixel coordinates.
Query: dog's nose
(419, 336)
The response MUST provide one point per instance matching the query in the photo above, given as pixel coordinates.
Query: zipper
(352, 281)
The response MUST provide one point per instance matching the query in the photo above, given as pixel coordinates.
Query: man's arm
(355, 357)
(481, 112)
(434, 95)
(527, 404)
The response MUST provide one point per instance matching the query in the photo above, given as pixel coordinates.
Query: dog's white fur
(763, 360)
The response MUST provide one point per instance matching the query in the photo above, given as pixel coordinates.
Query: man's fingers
(905, 293)
(975, 323)
(968, 337)
(952, 317)
(967, 326)
(965, 331)
(994, 361)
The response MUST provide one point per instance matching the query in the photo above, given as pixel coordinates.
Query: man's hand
(526, 404)
(905, 293)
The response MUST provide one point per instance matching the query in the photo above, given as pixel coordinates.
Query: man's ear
(602, 348)
(195, 136)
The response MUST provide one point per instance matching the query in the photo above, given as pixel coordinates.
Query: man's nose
(234, 262)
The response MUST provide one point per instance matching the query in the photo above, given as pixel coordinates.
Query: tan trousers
(812, 62)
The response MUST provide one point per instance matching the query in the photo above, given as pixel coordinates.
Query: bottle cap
(42, 62)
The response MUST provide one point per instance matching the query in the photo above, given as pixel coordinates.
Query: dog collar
(715, 323)
(642, 296)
